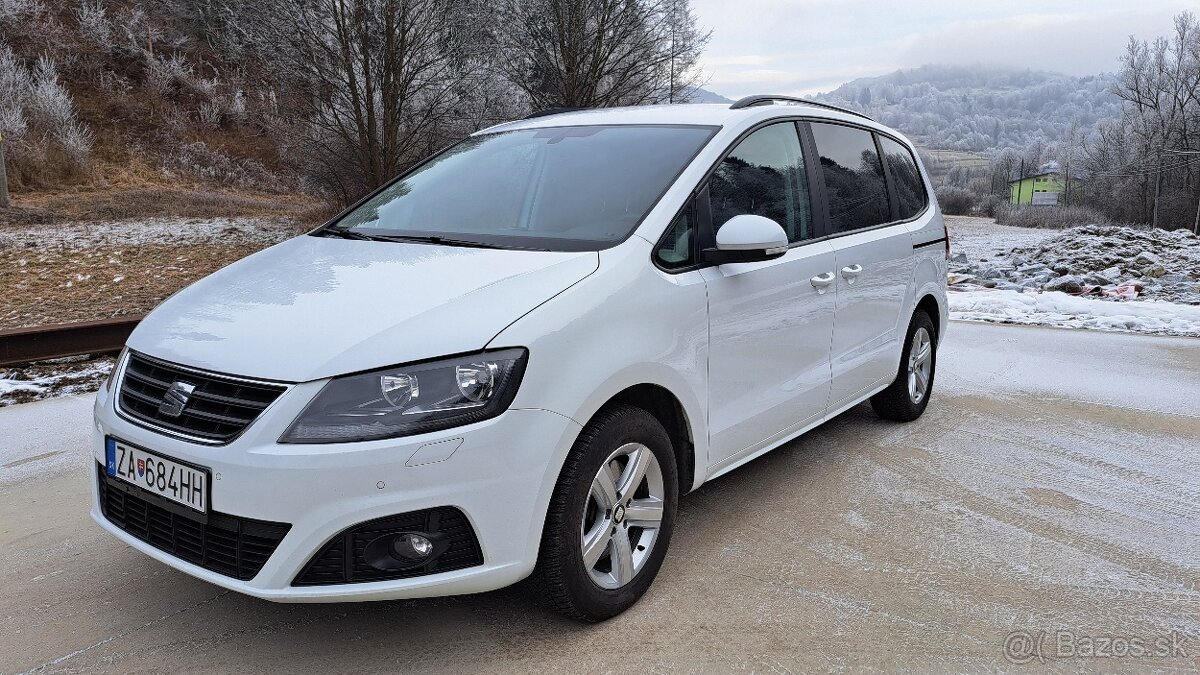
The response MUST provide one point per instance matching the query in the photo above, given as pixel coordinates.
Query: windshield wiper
(421, 239)
(434, 239)
(344, 234)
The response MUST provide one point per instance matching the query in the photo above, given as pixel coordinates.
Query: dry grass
(135, 190)
(1049, 217)
(62, 286)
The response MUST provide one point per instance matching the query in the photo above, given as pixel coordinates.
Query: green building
(1046, 187)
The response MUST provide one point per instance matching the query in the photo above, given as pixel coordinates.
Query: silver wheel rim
(920, 365)
(623, 515)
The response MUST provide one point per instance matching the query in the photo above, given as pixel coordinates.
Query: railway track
(106, 336)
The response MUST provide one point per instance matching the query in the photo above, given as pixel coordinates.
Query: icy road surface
(1053, 484)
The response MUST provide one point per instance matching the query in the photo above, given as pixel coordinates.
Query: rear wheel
(907, 396)
(611, 515)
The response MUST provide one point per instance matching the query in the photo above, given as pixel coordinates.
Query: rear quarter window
(906, 179)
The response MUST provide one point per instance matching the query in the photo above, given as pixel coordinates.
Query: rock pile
(1120, 263)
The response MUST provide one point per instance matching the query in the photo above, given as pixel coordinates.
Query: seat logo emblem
(176, 399)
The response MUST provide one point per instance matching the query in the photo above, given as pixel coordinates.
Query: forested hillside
(981, 109)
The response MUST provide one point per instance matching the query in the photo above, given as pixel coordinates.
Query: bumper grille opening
(229, 545)
(219, 407)
(343, 560)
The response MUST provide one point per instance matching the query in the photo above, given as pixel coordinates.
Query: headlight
(413, 399)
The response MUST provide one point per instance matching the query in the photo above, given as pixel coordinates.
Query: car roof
(707, 114)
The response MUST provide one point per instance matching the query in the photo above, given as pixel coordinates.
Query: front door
(770, 323)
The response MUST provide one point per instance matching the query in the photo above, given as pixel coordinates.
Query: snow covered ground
(163, 230)
(1055, 308)
(1106, 278)
(982, 239)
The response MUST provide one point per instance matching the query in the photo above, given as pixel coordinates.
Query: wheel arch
(931, 305)
(668, 410)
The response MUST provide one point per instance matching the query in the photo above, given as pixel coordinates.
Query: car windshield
(561, 188)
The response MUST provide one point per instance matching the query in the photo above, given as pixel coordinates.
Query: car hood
(314, 307)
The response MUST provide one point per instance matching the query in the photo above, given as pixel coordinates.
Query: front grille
(342, 561)
(229, 545)
(218, 409)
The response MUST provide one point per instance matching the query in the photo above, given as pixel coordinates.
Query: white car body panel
(750, 353)
(313, 307)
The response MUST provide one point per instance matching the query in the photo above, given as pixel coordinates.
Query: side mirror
(747, 238)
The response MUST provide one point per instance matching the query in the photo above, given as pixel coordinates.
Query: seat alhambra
(517, 357)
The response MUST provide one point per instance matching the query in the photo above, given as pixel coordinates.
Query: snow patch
(8, 386)
(51, 379)
(1069, 311)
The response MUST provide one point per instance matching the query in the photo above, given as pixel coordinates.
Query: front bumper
(500, 476)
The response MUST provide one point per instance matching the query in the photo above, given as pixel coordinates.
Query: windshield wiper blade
(421, 239)
(434, 239)
(345, 234)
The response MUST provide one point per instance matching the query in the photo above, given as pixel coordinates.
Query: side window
(906, 179)
(764, 176)
(853, 177)
(676, 249)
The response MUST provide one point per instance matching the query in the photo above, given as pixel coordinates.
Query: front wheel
(907, 396)
(611, 515)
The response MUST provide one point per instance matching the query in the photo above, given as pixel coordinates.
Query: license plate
(170, 479)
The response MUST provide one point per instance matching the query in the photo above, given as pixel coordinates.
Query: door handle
(850, 274)
(821, 282)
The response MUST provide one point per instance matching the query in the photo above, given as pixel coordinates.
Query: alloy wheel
(623, 516)
(920, 365)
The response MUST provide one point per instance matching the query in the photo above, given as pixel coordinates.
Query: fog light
(411, 547)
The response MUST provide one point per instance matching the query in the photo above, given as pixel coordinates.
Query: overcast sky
(805, 46)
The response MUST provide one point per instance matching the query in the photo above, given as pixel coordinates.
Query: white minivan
(518, 356)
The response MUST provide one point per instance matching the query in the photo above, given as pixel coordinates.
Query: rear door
(769, 326)
(873, 260)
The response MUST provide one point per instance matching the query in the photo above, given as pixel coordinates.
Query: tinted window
(566, 188)
(853, 177)
(906, 180)
(764, 176)
(676, 248)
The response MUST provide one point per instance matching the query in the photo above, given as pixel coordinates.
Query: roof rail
(763, 99)
(551, 111)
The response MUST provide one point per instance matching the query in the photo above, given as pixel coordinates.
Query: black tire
(895, 403)
(561, 569)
